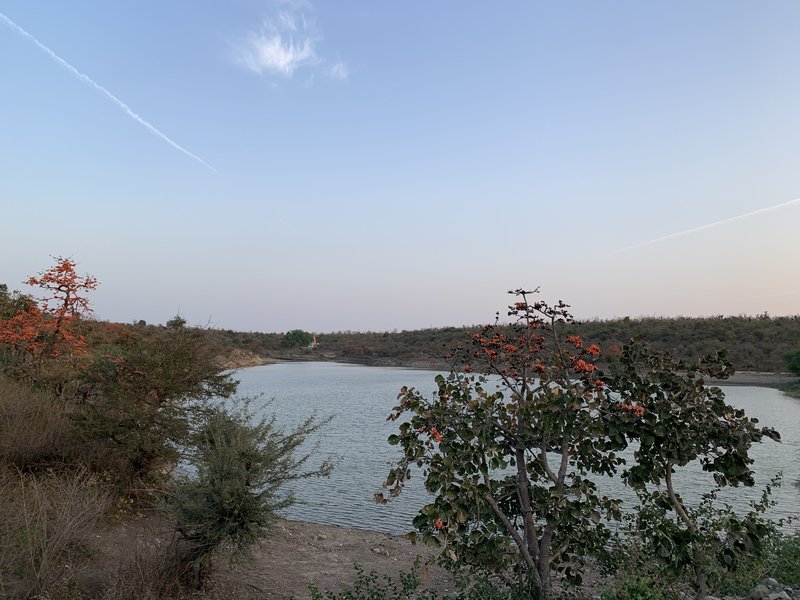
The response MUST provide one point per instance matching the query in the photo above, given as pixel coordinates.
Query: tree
(793, 362)
(677, 420)
(296, 338)
(512, 443)
(176, 322)
(243, 464)
(508, 461)
(44, 330)
(142, 393)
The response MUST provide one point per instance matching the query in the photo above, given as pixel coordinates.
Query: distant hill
(753, 343)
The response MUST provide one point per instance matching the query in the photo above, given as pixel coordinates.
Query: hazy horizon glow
(381, 167)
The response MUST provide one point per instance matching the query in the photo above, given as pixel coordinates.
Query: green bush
(142, 394)
(368, 586)
(242, 465)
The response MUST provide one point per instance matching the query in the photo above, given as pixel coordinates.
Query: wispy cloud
(120, 104)
(274, 52)
(678, 234)
(286, 42)
(339, 71)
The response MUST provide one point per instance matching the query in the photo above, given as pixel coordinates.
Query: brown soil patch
(295, 555)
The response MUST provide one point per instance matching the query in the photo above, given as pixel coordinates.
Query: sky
(271, 165)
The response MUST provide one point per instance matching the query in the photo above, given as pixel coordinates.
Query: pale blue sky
(381, 165)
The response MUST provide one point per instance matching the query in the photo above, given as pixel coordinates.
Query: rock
(381, 551)
(760, 592)
(322, 537)
(770, 583)
(779, 596)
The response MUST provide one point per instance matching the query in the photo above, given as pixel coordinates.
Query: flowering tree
(46, 328)
(506, 446)
(525, 419)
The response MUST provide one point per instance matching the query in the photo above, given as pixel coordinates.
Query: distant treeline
(753, 343)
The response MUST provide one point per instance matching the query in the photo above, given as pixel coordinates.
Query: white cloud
(276, 52)
(339, 71)
(286, 43)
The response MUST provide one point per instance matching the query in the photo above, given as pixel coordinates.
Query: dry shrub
(35, 429)
(46, 522)
(143, 574)
(148, 572)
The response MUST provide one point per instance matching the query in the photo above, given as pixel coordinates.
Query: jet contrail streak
(86, 79)
(670, 236)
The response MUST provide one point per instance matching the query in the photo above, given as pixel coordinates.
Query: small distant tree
(793, 362)
(296, 338)
(176, 322)
(243, 464)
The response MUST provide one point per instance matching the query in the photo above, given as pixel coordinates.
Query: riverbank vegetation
(102, 422)
(757, 343)
(95, 418)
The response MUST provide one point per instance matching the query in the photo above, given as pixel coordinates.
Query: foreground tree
(526, 420)
(508, 457)
(678, 420)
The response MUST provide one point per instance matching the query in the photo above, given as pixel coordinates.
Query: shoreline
(739, 378)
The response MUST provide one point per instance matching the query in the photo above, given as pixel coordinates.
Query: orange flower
(467, 368)
(594, 349)
(439, 524)
(635, 410)
(435, 434)
(581, 366)
(575, 339)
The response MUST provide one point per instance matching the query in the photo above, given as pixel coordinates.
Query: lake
(360, 398)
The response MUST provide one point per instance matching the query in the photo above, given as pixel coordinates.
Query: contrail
(708, 226)
(86, 79)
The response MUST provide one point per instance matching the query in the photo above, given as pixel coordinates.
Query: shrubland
(94, 419)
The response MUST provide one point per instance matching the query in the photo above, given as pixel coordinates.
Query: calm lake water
(360, 398)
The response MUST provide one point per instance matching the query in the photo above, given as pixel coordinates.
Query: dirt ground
(305, 553)
(283, 565)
